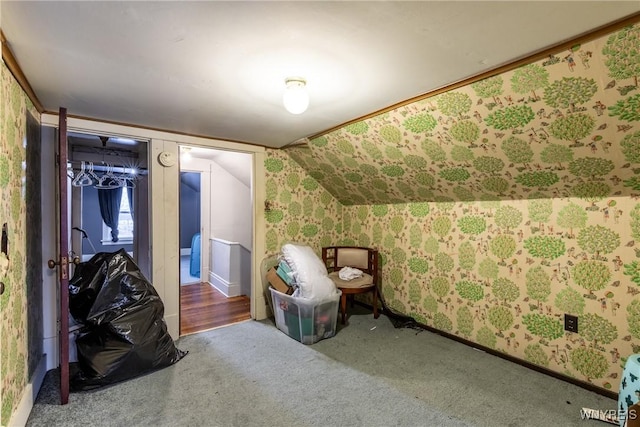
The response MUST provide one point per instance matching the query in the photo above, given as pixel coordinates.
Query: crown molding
(16, 71)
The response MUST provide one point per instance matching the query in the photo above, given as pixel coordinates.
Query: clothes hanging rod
(99, 159)
(76, 166)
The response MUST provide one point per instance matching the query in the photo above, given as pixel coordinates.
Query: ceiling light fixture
(295, 98)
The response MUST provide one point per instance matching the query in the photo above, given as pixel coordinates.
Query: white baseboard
(229, 289)
(50, 348)
(21, 415)
(185, 251)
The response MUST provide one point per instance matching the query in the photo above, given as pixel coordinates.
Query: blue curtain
(109, 200)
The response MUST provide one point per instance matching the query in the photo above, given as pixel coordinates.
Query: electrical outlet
(570, 323)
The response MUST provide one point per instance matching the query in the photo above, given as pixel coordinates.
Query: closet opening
(109, 197)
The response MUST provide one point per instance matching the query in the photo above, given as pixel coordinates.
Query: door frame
(62, 258)
(162, 184)
(198, 166)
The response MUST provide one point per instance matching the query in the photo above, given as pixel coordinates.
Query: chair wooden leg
(375, 303)
(343, 307)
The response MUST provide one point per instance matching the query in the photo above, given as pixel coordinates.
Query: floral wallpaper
(499, 207)
(561, 127)
(14, 369)
(300, 210)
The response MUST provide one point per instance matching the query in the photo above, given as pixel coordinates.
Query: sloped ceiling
(565, 126)
(235, 163)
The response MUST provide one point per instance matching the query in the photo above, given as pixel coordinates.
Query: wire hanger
(82, 179)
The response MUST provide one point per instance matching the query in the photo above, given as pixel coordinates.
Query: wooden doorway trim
(63, 267)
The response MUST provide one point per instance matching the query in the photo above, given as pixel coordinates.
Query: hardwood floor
(203, 307)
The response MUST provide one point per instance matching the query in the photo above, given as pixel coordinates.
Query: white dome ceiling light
(295, 98)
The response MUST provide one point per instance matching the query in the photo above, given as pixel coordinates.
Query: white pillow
(309, 271)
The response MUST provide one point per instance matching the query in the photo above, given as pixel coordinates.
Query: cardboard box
(284, 272)
(277, 283)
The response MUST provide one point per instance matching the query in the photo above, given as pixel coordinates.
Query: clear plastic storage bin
(304, 320)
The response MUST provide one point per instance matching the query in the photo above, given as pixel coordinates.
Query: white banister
(230, 267)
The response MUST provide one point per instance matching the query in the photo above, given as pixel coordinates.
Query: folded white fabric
(349, 273)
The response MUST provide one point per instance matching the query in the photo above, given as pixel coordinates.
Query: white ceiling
(217, 69)
(237, 164)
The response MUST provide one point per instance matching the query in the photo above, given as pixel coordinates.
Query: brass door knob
(52, 264)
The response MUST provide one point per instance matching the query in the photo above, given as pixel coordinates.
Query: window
(125, 224)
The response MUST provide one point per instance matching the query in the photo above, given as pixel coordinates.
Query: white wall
(231, 207)
(50, 302)
(165, 266)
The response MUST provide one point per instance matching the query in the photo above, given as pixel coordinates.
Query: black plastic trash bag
(87, 280)
(124, 333)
